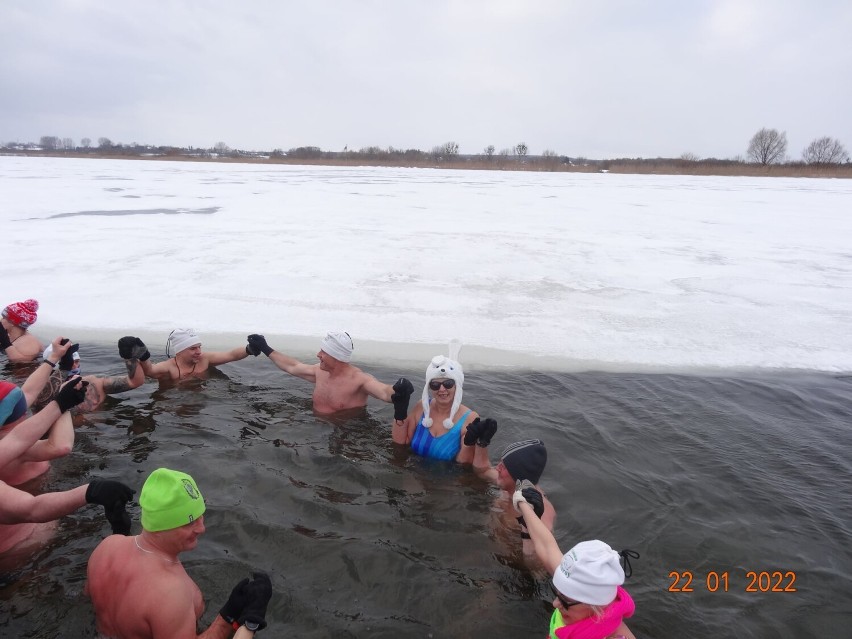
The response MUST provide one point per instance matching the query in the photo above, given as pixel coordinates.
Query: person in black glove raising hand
(338, 385)
(131, 349)
(157, 598)
(25, 517)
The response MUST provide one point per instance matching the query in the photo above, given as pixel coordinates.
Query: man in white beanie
(187, 361)
(338, 384)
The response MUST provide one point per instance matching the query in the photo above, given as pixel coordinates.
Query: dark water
(699, 474)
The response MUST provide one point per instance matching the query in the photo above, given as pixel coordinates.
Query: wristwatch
(250, 625)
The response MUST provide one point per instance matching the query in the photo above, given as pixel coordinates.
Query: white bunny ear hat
(444, 368)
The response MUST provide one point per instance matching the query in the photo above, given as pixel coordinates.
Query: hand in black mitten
(5, 342)
(130, 347)
(473, 432)
(258, 343)
(252, 349)
(71, 393)
(118, 518)
(402, 391)
(237, 600)
(113, 496)
(66, 362)
(489, 429)
(526, 491)
(259, 592)
(534, 498)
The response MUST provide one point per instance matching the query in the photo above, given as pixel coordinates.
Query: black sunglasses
(435, 384)
(565, 603)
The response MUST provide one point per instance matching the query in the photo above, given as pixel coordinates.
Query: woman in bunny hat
(439, 425)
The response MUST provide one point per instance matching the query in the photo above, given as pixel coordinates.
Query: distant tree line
(767, 147)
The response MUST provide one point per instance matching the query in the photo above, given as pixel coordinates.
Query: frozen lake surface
(566, 271)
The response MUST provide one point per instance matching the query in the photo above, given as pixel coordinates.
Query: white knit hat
(339, 345)
(182, 338)
(444, 368)
(590, 573)
(49, 351)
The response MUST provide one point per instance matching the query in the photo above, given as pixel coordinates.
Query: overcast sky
(598, 79)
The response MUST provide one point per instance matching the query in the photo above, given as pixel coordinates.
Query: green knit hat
(170, 499)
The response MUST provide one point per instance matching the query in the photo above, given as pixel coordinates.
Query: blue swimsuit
(447, 446)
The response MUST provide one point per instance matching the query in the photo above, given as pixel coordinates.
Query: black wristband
(53, 365)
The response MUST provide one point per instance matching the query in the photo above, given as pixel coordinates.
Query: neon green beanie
(170, 499)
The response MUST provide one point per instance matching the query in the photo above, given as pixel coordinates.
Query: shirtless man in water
(139, 587)
(338, 385)
(188, 360)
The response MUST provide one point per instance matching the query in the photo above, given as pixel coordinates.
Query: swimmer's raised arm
(257, 344)
(59, 442)
(375, 388)
(24, 435)
(34, 384)
(546, 547)
(223, 357)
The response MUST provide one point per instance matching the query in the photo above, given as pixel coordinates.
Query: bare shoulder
(28, 346)
(470, 415)
(112, 546)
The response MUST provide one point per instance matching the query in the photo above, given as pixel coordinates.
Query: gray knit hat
(525, 459)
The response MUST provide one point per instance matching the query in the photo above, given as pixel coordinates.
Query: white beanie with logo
(590, 573)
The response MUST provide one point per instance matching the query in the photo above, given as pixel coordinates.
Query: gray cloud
(603, 80)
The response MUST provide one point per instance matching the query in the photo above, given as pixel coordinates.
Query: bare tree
(86, 142)
(68, 144)
(768, 147)
(521, 149)
(689, 157)
(49, 142)
(104, 143)
(451, 148)
(825, 151)
(221, 148)
(489, 151)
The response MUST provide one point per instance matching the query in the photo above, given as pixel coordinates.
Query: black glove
(130, 347)
(66, 362)
(113, 496)
(5, 342)
(473, 432)
(233, 608)
(258, 343)
(480, 433)
(401, 394)
(68, 395)
(526, 491)
(258, 592)
(489, 429)
(534, 499)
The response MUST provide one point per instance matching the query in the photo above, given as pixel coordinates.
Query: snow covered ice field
(572, 271)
